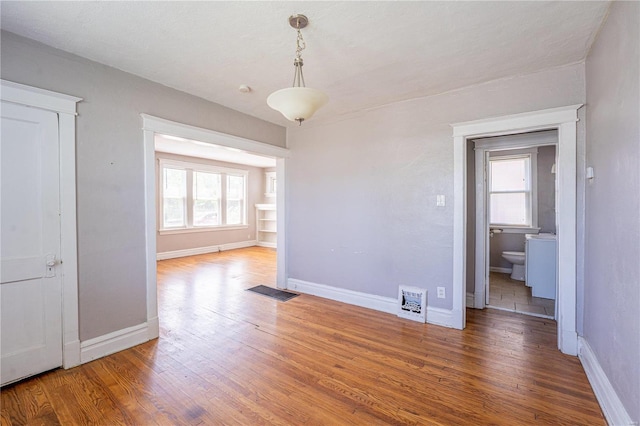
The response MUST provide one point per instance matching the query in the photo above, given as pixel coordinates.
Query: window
(201, 197)
(174, 184)
(511, 191)
(235, 199)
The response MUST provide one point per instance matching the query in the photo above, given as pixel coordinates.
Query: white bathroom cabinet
(541, 265)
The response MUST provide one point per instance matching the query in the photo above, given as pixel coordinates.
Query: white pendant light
(297, 103)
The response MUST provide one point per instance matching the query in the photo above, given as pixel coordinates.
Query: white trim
(150, 224)
(281, 224)
(484, 148)
(152, 125)
(511, 142)
(501, 270)
(173, 128)
(437, 316)
(268, 245)
(172, 231)
(517, 123)
(65, 107)
(116, 341)
(531, 161)
(611, 405)
(471, 299)
(515, 229)
(564, 119)
(38, 98)
(203, 250)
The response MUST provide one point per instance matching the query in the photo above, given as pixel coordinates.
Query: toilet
(517, 258)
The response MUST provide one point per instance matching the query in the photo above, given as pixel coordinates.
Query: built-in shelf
(266, 233)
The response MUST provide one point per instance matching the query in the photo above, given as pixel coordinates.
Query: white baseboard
(153, 328)
(203, 250)
(438, 316)
(501, 270)
(614, 411)
(471, 300)
(113, 342)
(266, 244)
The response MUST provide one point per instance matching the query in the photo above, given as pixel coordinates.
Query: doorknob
(51, 262)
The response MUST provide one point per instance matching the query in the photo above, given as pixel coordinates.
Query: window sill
(514, 229)
(203, 229)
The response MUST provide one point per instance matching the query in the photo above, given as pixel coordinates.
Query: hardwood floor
(228, 356)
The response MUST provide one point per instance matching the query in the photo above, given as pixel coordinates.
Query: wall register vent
(412, 303)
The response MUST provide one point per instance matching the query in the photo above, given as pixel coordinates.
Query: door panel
(30, 285)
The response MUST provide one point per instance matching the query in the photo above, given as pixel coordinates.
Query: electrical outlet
(440, 201)
(441, 293)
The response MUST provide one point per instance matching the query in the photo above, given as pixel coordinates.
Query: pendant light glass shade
(297, 103)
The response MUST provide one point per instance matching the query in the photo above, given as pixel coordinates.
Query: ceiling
(362, 54)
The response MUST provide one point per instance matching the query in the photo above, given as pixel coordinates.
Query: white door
(30, 283)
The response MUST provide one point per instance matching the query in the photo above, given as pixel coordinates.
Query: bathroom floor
(515, 296)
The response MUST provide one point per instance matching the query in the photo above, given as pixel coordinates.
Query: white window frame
(190, 168)
(532, 204)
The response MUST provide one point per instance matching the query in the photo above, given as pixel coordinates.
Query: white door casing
(55, 233)
(152, 125)
(564, 120)
(483, 149)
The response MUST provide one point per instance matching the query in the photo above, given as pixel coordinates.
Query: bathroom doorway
(516, 194)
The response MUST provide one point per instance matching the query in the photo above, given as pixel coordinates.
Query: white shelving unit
(266, 231)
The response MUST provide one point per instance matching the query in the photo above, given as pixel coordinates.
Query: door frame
(483, 151)
(65, 107)
(152, 125)
(563, 119)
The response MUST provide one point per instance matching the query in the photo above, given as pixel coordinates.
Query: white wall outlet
(440, 200)
(441, 293)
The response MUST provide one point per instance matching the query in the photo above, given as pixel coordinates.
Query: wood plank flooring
(228, 356)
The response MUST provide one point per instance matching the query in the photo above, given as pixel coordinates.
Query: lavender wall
(362, 189)
(110, 168)
(612, 249)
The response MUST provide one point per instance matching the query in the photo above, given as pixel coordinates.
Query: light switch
(440, 201)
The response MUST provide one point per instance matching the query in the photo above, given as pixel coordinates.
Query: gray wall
(362, 190)
(612, 249)
(110, 176)
(255, 194)
(546, 193)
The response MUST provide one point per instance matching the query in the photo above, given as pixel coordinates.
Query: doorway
(153, 126)
(513, 207)
(563, 119)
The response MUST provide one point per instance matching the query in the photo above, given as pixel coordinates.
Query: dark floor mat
(274, 293)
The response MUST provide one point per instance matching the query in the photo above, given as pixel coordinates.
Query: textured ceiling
(362, 54)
